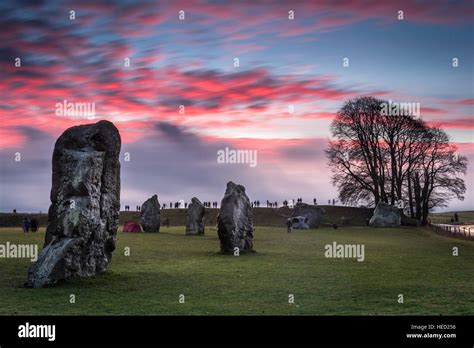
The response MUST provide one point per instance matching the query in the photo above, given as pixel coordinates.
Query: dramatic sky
(190, 62)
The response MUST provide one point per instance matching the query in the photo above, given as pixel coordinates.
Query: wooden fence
(457, 231)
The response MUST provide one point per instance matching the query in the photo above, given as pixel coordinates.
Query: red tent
(132, 226)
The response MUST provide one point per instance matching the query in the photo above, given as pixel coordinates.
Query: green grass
(409, 261)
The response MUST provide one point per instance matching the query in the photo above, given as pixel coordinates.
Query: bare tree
(435, 174)
(355, 155)
(378, 158)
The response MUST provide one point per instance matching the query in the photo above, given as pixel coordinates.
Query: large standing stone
(234, 222)
(313, 213)
(195, 222)
(385, 215)
(85, 202)
(150, 215)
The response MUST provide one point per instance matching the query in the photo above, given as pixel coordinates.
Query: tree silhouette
(398, 160)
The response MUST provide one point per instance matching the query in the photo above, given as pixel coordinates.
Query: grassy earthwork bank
(464, 217)
(410, 261)
(261, 216)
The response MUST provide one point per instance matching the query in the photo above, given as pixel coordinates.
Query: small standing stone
(195, 221)
(234, 222)
(386, 215)
(312, 213)
(150, 215)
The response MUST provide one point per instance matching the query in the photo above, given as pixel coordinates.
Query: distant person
(26, 225)
(288, 225)
(456, 217)
(34, 225)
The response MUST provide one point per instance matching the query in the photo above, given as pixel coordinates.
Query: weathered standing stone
(85, 202)
(234, 222)
(195, 222)
(299, 222)
(385, 215)
(150, 215)
(313, 213)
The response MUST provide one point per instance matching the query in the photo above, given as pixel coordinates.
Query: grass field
(409, 261)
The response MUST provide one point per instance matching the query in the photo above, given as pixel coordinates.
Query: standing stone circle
(386, 215)
(150, 215)
(234, 222)
(195, 220)
(85, 201)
